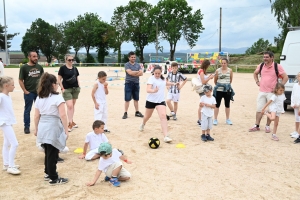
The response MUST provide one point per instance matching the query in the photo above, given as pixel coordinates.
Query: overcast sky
(243, 21)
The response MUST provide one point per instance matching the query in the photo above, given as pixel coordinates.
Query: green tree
(59, 47)
(73, 37)
(2, 38)
(175, 21)
(287, 13)
(118, 21)
(259, 46)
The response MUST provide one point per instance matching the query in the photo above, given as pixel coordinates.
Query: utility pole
(220, 33)
(5, 34)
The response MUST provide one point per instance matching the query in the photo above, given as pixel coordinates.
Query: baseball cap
(207, 88)
(105, 148)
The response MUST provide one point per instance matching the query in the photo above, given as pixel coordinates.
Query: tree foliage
(175, 21)
(259, 46)
(2, 37)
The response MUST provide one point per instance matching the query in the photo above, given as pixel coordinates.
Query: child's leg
(11, 140)
(276, 121)
(124, 175)
(199, 113)
(204, 123)
(271, 115)
(5, 150)
(104, 116)
(148, 114)
(209, 125)
(297, 118)
(92, 155)
(51, 156)
(175, 107)
(161, 109)
(170, 106)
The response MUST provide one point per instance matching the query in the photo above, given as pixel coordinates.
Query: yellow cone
(78, 150)
(180, 146)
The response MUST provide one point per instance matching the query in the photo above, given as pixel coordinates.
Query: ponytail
(45, 86)
(4, 80)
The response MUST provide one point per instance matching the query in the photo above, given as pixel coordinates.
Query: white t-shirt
(295, 98)
(277, 103)
(49, 105)
(198, 75)
(105, 163)
(209, 112)
(1, 69)
(7, 115)
(95, 140)
(159, 96)
(100, 95)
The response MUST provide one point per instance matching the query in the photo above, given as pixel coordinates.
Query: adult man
(266, 86)
(1, 68)
(132, 85)
(29, 76)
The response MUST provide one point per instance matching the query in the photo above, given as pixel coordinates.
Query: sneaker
(274, 137)
(199, 123)
(254, 128)
(138, 114)
(167, 139)
(209, 138)
(60, 160)
(26, 130)
(215, 122)
(74, 125)
(125, 115)
(115, 182)
(13, 170)
(203, 138)
(293, 133)
(46, 177)
(70, 127)
(228, 121)
(174, 117)
(142, 126)
(297, 140)
(106, 131)
(58, 181)
(296, 135)
(5, 167)
(106, 179)
(267, 129)
(168, 117)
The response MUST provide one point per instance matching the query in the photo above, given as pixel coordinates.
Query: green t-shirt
(31, 75)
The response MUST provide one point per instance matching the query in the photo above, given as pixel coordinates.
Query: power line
(210, 36)
(248, 6)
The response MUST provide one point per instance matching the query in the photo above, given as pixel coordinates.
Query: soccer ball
(154, 143)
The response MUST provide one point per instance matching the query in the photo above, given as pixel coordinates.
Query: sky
(243, 21)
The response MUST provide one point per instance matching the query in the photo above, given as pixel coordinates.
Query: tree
(287, 13)
(176, 20)
(118, 21)
(259, 46)
(2, 38)
(141, 26)
(59, 47)
(73, 37)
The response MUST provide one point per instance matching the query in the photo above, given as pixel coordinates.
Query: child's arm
(267, 104)
(84, 151)
(210, 105)
(95, 87)
(182, 84)
(125, 159)
(171, 83)
(97, 175)
(105, 87)
(36, 120)
(150, 90)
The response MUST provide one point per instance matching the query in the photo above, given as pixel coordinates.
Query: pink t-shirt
(268, 78)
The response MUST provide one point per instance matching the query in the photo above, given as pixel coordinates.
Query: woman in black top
(70, 87)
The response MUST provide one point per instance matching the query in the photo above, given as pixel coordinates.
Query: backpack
(275, 66)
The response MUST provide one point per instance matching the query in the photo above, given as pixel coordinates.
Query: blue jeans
(132, 91)
(29, 99)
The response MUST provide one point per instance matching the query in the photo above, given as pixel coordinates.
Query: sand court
(237, 165)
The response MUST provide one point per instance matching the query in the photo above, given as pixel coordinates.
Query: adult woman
(69, 84)
(156, 86)
(204, 78)
(51, 126)
(223, 80)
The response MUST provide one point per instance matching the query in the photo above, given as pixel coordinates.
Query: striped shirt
(175, 78)
(223, 78)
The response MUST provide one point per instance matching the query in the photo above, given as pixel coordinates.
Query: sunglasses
(71, 60)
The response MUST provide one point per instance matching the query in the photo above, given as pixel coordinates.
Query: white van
(290, 60)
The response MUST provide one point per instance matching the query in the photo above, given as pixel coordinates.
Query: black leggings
(51, 156)
(226, 96)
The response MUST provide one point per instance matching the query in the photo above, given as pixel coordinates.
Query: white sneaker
(13, 170)
(295, 135)
(142, 127)
(5, 167)
(167, 139)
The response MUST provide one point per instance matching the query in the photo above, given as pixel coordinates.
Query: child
(99, 93)
(207, 104)
(295, 103)
(111, 165)
(94, 139)
(51, 127)
(7, 119)
(174, 91)
(275, 108)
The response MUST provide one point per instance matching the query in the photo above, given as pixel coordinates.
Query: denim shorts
(132, 91)
(71, 93)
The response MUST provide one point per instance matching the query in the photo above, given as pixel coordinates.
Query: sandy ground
(237, 165)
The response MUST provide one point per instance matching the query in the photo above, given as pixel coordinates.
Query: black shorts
(151, 105)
